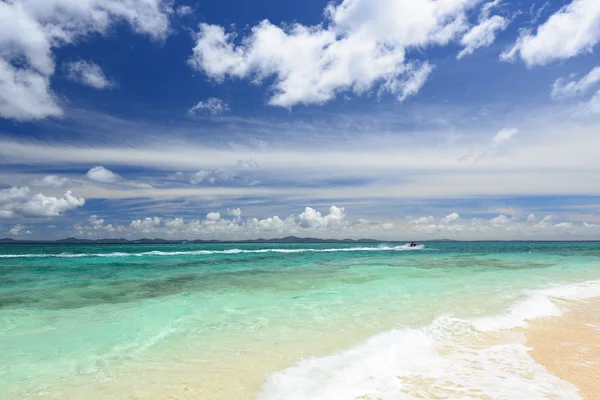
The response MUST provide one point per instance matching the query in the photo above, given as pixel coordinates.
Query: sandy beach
(569, 346)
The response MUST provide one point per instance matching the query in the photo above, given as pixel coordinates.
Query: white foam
(536, 306)
(538, 303)
(420, 363)
(580, 291)
(447, 359)
(208, 252)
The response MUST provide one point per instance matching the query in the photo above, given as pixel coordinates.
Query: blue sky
(391, 119)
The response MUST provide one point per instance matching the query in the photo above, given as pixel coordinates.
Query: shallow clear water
(103, 316)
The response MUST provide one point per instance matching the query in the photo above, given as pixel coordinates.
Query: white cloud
(502, 227)
(103, 175)
(16, 200)
(571, 31)
(500, 220)
(421, 220)
(88, 74)
(537, 14)
(482, 35)
(450, 218)
(361, 45)
(566, 87)
(590, 107)
(503, 136)
(183, 11)
(11, 199)
(335, 224)
(499, 140)
(19, 230)
(52, 181)
(211, 105)
(223, 174)
(146, 225)
(310, 223)
(311, 218)
(13, 193)
(47, 206)
(234, 212)
(6, 213)
(213, 216)
(536, 161)
(30, 30)
(24, 94)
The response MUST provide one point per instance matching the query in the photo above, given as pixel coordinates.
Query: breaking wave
(209, 252)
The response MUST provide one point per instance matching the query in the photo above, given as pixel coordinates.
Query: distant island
(288, 239)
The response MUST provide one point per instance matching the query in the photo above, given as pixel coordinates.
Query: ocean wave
(450, 358)
(208, 252)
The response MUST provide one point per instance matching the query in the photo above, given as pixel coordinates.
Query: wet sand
(569, 346)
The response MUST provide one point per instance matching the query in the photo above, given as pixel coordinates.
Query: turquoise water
(121, 319)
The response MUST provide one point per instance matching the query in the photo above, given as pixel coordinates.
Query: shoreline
(568, 346)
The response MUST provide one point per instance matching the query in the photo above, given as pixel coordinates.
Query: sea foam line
(208, 252)
(450, 358)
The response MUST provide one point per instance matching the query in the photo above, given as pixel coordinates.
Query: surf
(209, 252)
(449, 358)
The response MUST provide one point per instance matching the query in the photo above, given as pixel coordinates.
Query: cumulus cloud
(215, 226)
(213, 216)
(103, 175)
(211, 105)
(335, 224)
(89, 74)
(47, 206)
(31, 31)
(497, 227)
(146, 225)
(421, 220)
(567, 87)
(311, 218)
(571, 31)
(361, 45)
(19, 230)
(11, 199)
(450, 218)
(17, 200)
(234, 212)
(451, 223)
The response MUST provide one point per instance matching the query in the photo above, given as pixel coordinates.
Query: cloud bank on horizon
(354, 118)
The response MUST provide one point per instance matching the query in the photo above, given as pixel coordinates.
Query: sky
(385, 119)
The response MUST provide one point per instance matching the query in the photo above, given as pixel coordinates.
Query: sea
(284, 321)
